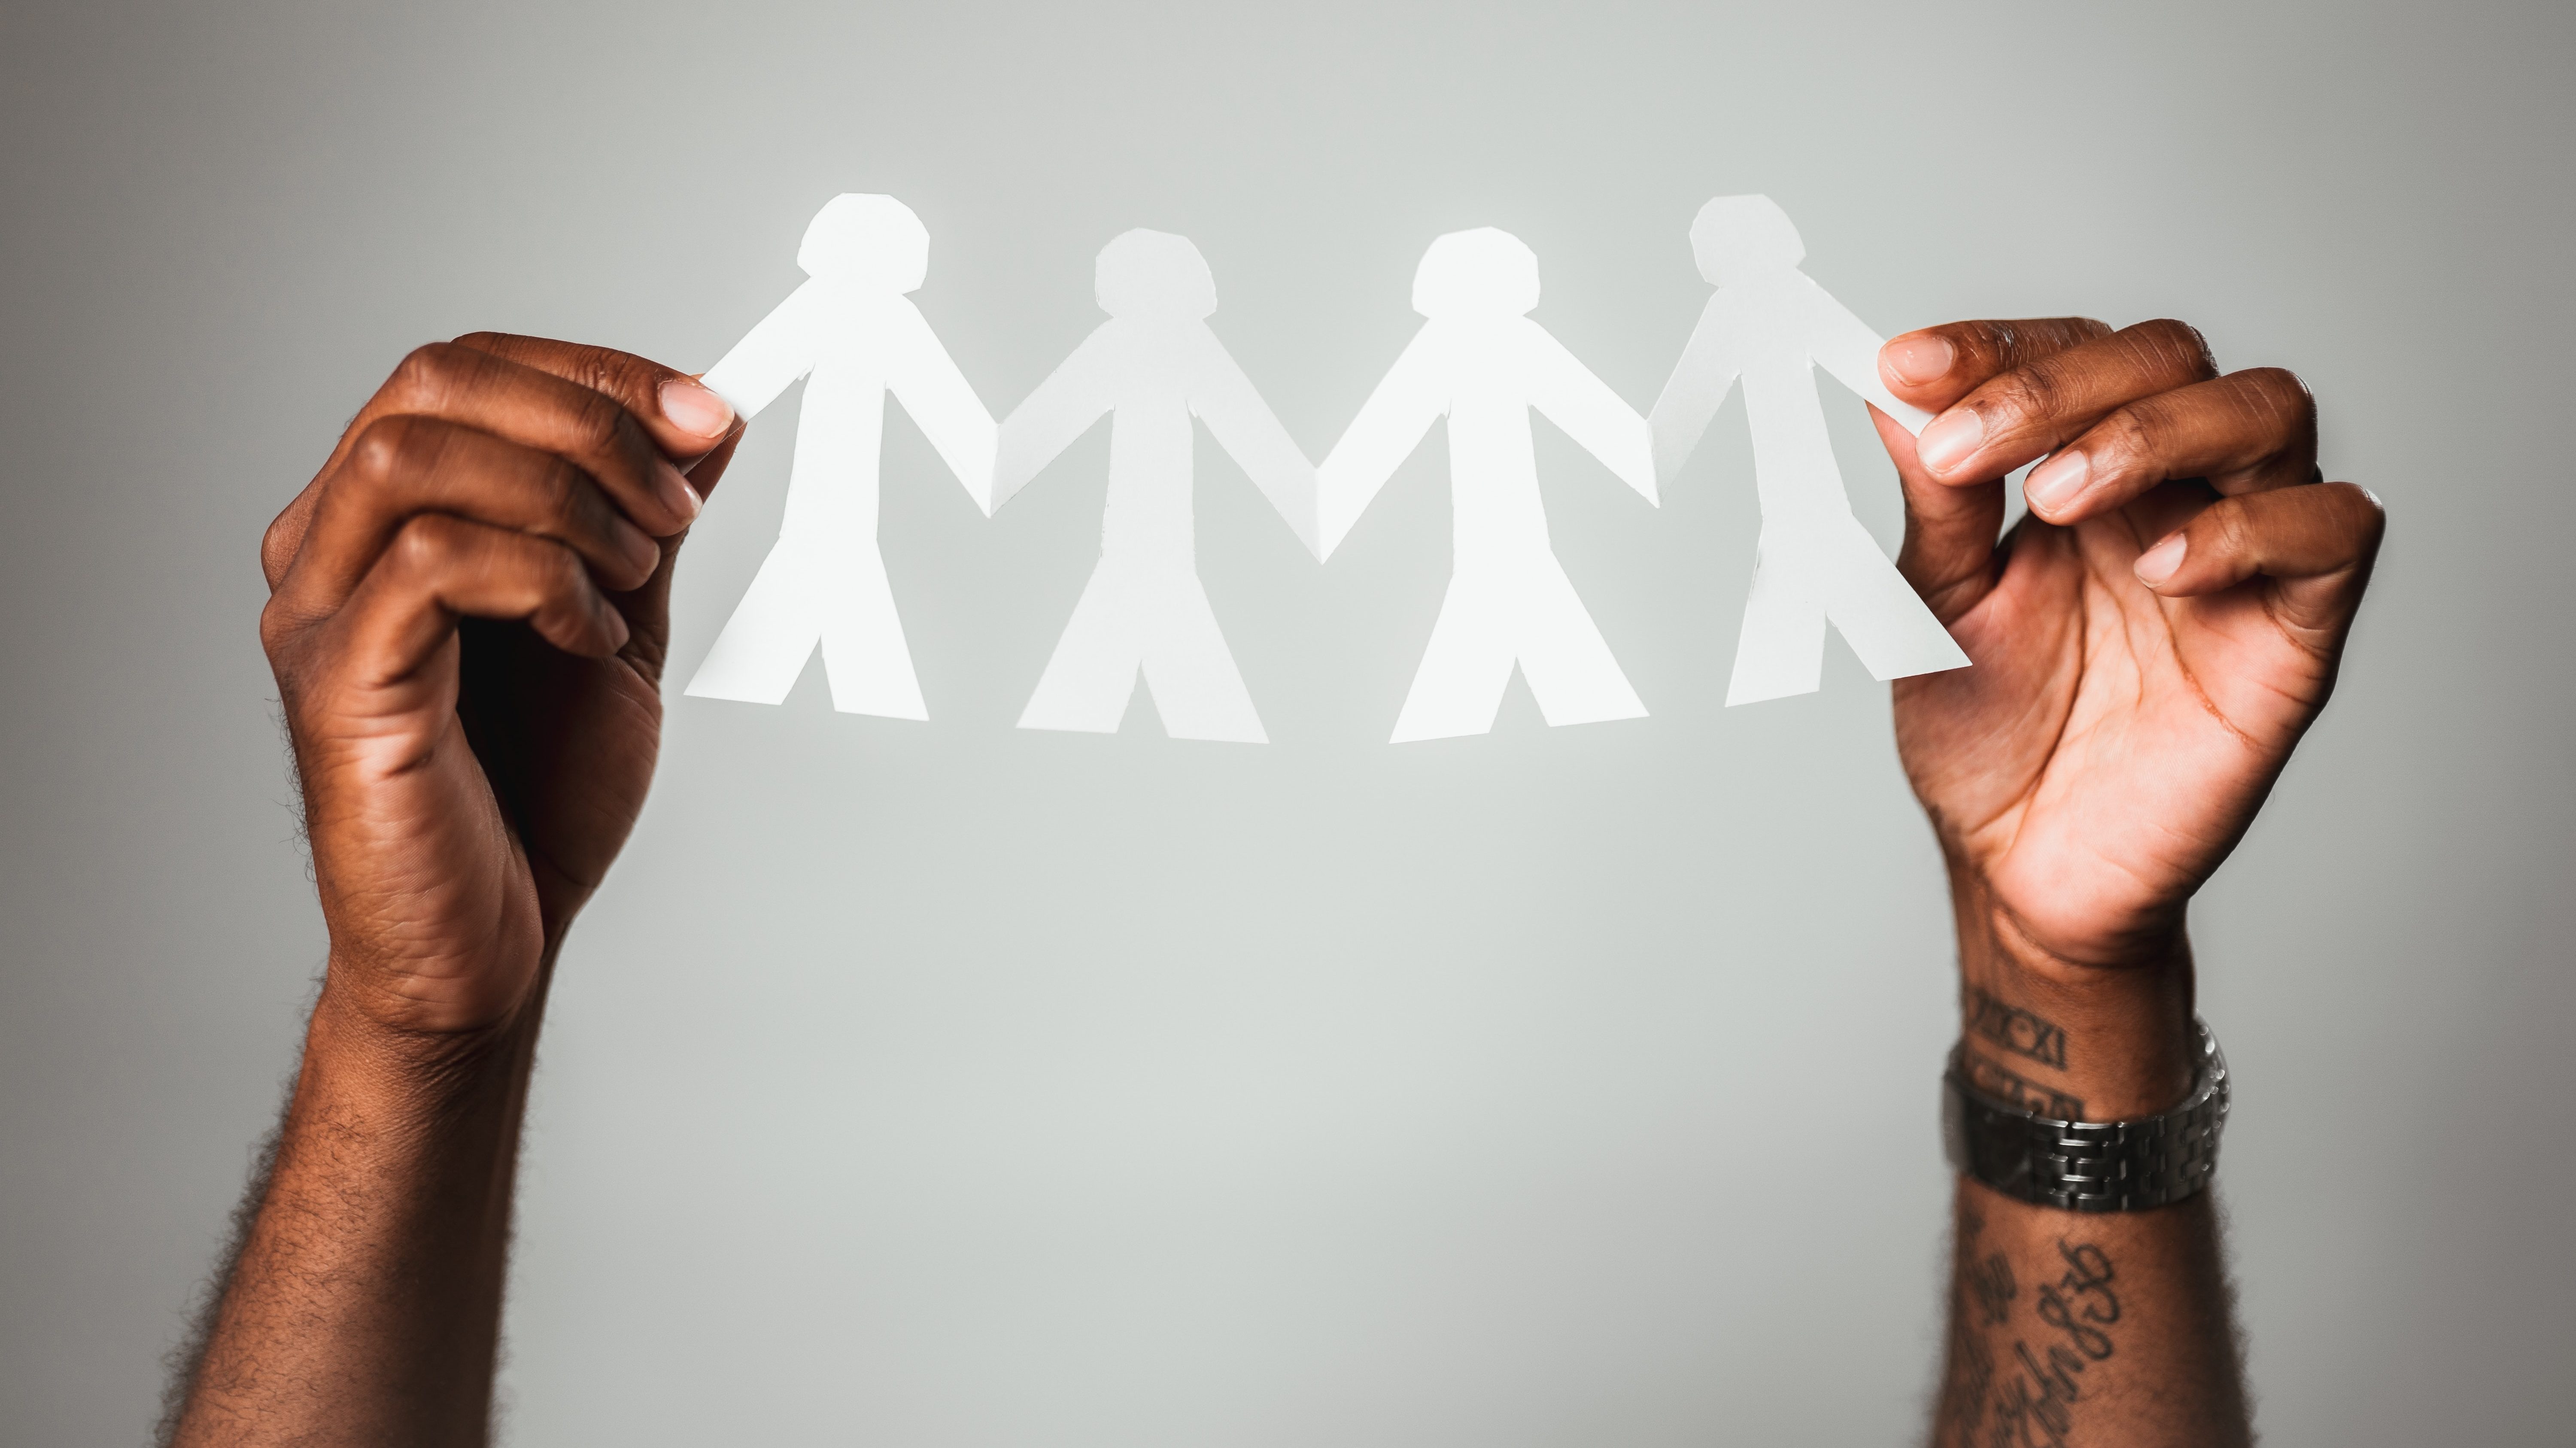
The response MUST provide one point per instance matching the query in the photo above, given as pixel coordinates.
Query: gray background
(954, 1085)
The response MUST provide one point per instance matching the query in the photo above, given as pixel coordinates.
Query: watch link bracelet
(2090, 1166)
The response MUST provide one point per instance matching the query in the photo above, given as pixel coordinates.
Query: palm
(2110, 745)
(566, 745)
(476, 801)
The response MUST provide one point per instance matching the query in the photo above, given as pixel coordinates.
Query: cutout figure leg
(1884, 620)
(1813, 569)
(772, 633)
(1467, 666)
(1781, 650)
(863, 647)
(1195, 684)
(1563, 655)
(1092, 673)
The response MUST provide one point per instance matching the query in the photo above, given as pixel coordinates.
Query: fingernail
(1950, 439)
(2052, 486)
(694, 407)
(1923, 357)
(636, 544)
(679, 496)
(2158, 563)
(618, 632)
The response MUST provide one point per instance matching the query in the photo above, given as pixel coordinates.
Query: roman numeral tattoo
(2016, 1030)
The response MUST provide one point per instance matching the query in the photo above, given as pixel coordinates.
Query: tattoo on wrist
(2031, 1403)
(2021, 1091)
(1991, 1283)
(2016, 1030)
(1972, 1363)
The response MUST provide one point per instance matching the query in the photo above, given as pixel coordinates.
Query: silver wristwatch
(2090, 1166)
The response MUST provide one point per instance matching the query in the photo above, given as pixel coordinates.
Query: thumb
(648, 607)
(707, 471)
(1950, 532)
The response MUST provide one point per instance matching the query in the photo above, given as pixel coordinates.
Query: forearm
(365, 1306)
(2072, 1328)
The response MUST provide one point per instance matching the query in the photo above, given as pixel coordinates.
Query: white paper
(1153, 365)
(854, 335)
(1772, 325)
(1485, 364)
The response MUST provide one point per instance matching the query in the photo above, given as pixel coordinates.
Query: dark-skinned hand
(468, 617)
(2149, 644)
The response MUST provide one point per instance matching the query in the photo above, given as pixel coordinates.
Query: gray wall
(951, 1084)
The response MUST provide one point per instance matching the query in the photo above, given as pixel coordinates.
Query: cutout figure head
(867, 241)
(1738, 237)
(1479, 273)
(1153, 274)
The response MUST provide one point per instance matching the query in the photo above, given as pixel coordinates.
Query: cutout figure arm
(1225, 399)
(1063, 408)
(1844, 346)
(1389, 427)
(1570, 396)
(771, 355)
(1695, 391)
(925, 379)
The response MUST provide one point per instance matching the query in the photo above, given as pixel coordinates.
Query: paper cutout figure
(1771, 324)
(1153, 364)
(1485, 364)
(853, 333)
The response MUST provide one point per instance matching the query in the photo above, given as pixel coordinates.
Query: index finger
(616, 415)
(1936, 366)
(2039, 405)
(683, 416)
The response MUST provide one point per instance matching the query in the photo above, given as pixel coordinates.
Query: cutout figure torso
(1152, 366)
(854, 335)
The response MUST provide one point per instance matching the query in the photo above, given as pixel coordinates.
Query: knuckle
(430, 370)
(2008, 344)
(2284, 393)
(2274, 411)
(2060, 334)
(2028, 343)
(2229, 525)
(2134, 435)
(2274, 381)
(384, 451)
(423, 544)
(564, 570)
(597, 421)
(1984, 340)
(560, 490)
(2177, 344)
(609, 373)
(2027, 394)
(551, 572)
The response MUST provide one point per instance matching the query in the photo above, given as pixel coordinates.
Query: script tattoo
(1991, 1282)
(1972, 1363)
(2016, 1030)
(2034, 1405)
(2021, 1091)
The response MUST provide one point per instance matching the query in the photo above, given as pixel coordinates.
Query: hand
(2149, 644)
(468, 614)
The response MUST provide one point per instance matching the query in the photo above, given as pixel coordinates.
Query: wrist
(2067, 1040)
(401, 1076)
